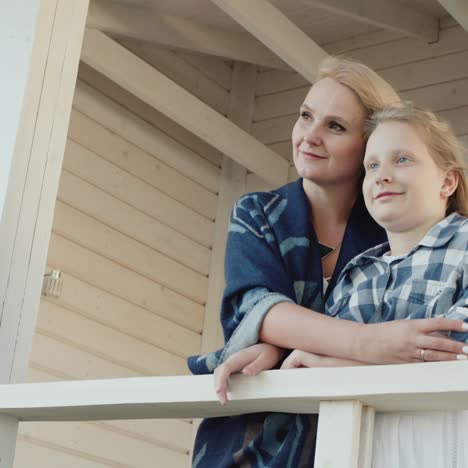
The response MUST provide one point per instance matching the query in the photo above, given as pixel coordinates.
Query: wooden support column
(44, 37)
(15, 54)
(232, 186)
(367, 437)
(344, 435)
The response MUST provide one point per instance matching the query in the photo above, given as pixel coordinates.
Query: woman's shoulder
(268, 200)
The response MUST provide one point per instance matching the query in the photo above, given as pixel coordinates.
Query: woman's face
(328, 142)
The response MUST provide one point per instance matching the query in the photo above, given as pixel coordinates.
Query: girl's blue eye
(373, 166)
(402, 160)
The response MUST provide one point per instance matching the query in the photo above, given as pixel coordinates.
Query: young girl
(415, 187)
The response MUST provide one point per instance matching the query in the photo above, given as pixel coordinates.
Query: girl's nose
(384, 177)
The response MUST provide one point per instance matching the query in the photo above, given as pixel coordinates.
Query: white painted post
(40, 45)
(17, 28)
(367, 437)
(338, 434)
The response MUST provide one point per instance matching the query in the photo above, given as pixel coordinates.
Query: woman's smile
(312, 156)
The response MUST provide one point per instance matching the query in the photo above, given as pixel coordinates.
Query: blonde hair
(444, 147)
(371, 89)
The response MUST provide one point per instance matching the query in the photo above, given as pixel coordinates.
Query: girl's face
(403, 187)
(328, 142)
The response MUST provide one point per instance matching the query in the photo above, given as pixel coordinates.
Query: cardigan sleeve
(256, 277)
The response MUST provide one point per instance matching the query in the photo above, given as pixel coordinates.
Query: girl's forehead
(395, 137)
(393, 132)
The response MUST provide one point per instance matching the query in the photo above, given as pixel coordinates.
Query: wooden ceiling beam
(130, 72)
(385, 14)
(277, 32)
(144, 24)
(458, 9)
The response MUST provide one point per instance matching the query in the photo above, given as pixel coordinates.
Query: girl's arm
(291, 326)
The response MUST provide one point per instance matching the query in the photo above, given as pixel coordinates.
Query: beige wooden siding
(433, 75)
(132, 234)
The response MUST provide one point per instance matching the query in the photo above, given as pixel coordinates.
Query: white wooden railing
(346, 398)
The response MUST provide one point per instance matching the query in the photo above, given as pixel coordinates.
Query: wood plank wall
(132, 234)
(434, 76)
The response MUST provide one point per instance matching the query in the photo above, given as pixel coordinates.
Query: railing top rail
(409, 387)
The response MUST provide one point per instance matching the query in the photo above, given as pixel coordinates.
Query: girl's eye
(337, 126)
(402, 160)
(373, 166)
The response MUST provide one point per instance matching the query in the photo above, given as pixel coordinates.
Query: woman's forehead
(328, 97)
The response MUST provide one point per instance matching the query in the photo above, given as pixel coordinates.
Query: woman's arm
(250, 361)
(294, 327)
(299, 359)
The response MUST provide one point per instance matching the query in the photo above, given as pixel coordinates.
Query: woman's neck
(330, 205)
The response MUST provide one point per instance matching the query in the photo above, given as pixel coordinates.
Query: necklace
(326, 250)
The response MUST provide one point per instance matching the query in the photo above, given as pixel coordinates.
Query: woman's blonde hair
(372, 90)
(444, 147)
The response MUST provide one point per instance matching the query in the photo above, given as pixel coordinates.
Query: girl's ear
(449, 184)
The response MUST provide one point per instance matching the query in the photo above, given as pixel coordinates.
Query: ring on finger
(422, 352)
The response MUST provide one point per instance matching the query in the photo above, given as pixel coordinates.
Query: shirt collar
(439, 235)
(443, 231)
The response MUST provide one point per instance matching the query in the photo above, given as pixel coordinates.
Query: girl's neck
(402, 242)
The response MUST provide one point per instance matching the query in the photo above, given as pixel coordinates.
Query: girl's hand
(249, 361)
(299, 359)
(402, 341)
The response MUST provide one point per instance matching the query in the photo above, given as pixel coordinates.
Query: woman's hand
(299, 359)
(249, 361)
(402, 341)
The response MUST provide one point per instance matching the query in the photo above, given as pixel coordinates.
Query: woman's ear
(449, 184)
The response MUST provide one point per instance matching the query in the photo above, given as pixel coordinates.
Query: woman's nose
(313, 135)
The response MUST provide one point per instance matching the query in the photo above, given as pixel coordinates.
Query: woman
(285, 250)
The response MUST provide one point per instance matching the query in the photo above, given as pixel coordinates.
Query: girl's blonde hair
(372, 90)
(444, 147)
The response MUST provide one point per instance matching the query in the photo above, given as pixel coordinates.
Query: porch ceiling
(322, 26)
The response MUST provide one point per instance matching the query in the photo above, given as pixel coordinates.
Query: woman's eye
(306, 115)
(402, 160)
(337, 126)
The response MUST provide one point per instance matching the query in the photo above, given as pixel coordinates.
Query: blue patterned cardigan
(272, 256)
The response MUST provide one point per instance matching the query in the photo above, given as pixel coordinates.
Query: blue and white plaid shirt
(430, 281)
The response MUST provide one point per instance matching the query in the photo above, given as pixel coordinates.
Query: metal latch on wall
(52, 284)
